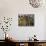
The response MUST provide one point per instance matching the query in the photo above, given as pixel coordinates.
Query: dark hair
(34, 35)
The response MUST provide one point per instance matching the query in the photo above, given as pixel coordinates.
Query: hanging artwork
(35, 3)
(6, 24)
(26, 20)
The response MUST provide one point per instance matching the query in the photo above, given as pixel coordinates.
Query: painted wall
(11, 8)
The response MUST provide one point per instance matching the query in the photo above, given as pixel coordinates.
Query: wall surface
(11, 8)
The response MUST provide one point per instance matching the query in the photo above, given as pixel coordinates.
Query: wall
(11, 8)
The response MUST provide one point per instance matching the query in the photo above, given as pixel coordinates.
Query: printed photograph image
(26, 20)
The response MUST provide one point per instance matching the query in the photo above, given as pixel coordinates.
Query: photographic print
(26, 20)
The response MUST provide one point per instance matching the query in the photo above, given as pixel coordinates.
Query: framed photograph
(26, 20)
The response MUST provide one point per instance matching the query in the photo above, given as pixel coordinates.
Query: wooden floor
(19, 43)
(3, 43)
